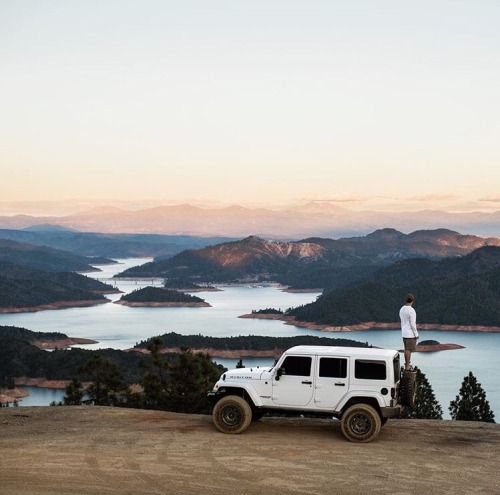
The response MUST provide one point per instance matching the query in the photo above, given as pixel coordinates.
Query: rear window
(370, 370)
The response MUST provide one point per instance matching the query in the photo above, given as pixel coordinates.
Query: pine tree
(192, 376)
(74, 393)
(426, 405)
(155, 377)
(108, 387)
(471, 403)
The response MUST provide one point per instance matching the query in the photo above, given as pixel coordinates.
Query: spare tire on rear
(408, 388)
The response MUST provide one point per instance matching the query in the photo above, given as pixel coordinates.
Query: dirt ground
(100, 451)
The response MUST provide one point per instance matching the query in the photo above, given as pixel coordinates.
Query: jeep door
(332, 381)
(295, 385)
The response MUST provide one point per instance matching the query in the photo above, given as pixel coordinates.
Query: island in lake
(434, 345)
(161, 297)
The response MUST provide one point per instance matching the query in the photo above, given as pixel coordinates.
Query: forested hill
(454, 291)
(35, 294)
(20, 358)
(25, 288)
(312, 263)
(43, 258)
(23, 334)
(159, 295)
(246, 342)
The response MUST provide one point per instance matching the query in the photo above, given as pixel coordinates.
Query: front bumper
(213, 396)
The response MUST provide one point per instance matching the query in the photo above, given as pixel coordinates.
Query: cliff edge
(96, 450)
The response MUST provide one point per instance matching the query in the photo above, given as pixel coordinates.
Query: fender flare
(355, 395)
(237, 389)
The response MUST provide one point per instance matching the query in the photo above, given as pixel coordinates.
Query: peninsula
(368, 325)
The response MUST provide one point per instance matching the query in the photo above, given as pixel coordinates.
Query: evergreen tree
(155, 377)
(192, 375)
(108, 387)
(471, 403)
(426, 405)
(74, 393)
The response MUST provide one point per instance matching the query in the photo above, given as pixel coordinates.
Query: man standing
(409, 328)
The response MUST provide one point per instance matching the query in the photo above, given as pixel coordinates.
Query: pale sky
(251, 102)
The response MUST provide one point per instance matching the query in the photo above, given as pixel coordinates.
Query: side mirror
(279, 372)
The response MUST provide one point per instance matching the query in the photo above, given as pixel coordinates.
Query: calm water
(121, 327)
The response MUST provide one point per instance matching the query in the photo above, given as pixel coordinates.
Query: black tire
(232, 414)
(361, 423)
(408, 388)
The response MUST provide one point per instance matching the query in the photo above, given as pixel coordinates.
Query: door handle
(338, 384)
(307, 382)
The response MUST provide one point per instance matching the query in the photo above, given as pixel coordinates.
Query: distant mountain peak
(253, 238)
(387, 233)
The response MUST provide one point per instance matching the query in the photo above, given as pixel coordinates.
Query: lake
(121, 327)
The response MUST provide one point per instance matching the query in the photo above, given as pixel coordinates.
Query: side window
(333, 367)
(370, 370)
(297, 366)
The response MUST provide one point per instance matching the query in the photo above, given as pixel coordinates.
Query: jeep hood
(254, 373)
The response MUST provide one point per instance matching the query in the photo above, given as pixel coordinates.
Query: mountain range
(310, 263)
(312, 219)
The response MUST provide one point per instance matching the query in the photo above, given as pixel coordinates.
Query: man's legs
(407, 359)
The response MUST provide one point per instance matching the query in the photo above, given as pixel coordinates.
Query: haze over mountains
(108, 245)
(312, 219)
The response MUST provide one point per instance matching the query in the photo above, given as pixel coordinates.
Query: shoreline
(48, 345)
(218, 353)
(164, 304)
(369, 325)
(273, 353)
(56, 305)
(197, 289)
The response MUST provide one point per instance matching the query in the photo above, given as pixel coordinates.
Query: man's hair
(409, 298)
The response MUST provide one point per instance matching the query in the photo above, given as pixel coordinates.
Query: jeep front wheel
(232, 414)
(361, 423)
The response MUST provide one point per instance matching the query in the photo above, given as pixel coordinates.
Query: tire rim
(231, 416)
(361, 424)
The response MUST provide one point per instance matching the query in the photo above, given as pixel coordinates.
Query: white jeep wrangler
(360, 386)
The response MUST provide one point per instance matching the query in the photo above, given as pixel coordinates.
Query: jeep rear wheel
(408, 388)
(361, 423)
(232, 414)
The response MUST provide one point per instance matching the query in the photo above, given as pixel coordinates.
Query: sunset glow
(383, 105)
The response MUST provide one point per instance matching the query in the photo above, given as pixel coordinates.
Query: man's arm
(413, 322)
